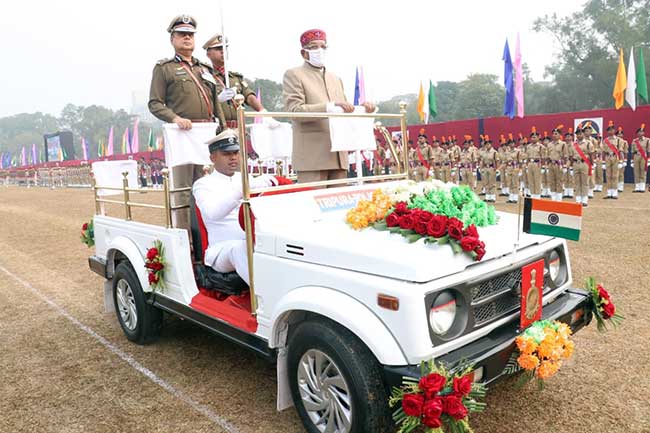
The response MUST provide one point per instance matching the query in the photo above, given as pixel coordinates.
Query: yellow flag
(620, 85)
(421, 103)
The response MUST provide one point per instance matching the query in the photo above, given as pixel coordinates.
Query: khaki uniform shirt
(617, 143)
(488, 157)
(455, 151)
(510, 156)
(587, 148)
(535, 151)
(174, 93)
(468, 156)
(236, 81)
(556, 151)
(645, 145)
(427, 154)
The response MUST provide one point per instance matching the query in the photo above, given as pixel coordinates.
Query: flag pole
(225, 48)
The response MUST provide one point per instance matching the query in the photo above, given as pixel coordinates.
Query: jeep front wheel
(335, 381)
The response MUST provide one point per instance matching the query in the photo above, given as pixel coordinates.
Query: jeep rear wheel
(140, 321)
(335, 381)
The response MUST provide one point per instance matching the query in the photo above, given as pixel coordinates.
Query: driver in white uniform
(218, 197)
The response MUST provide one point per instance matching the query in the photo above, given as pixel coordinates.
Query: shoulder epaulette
(163, 61)
(207, 65)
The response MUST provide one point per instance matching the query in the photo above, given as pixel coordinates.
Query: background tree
(583, 75)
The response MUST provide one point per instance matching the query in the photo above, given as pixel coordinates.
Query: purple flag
(509, 84)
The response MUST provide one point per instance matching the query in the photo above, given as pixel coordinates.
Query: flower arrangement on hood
(88, 234)
(432, 210)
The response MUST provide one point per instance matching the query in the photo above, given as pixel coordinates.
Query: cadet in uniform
(511, 168)
(567, 171)
(378, 160)
(183, 90)
(535, 153)
(546, 192)
(556, 153)
(489, 159)
(445, 162)
(580, 155)
(611, 150)
(238, 85)
(422, 156)
(595, 146)
(625, 148)
(502, 165)
(640, 150)
(454, 156)
(467, 161)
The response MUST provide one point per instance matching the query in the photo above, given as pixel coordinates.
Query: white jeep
(345, 314)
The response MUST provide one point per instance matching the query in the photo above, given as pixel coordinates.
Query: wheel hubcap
(325, 393)
(126, 305)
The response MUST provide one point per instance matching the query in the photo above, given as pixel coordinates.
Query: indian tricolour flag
(552, 218)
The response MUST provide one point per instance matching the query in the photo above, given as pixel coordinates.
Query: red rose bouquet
(155, 264)
(603, 307)
(88, 234)
(441, 399)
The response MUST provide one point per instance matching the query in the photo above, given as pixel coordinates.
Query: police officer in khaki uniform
(640, 150)
(556, 153)
(454, 156)
(378, 160)
(501, 168)
(535, 153)
(489, 158)
(611, 150)
(183, 91)
(567, 171)
(467, 162)
(422, 156)
(511, 167)
(445, 162)
(588, 131)
(625, 148)
(214, 49)
(580, 155)
(546, 192)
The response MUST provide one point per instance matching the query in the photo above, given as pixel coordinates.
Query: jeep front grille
(494, 298)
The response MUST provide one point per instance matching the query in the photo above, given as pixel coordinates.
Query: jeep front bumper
(493, 351)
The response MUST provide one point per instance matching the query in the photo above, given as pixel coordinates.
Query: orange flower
(547, 369)
(526, 345)
(369, 211)
(564, 331)
(568, 349)
(528, 362)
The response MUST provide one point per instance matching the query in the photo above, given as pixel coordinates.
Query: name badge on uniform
(207, 76)
(181, 72)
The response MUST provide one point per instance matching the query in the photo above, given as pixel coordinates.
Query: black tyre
(140, 321)
(335, 381)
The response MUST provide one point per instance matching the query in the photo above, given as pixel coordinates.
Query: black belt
(489, 165)
(533, 160)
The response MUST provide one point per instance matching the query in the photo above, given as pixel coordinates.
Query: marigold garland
(542, 349)
(369, 211)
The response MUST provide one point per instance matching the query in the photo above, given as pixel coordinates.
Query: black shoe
(615, 198)
(584, 204)
(607, 198)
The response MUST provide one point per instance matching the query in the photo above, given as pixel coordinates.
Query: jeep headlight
(556, 268)
(443, 313)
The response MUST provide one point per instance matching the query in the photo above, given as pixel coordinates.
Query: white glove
(564, 170)
(620, 165)
(226, 94)
(604, 166)
(271, 122)
(571, 172)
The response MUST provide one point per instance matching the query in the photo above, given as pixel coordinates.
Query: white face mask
(316, 57)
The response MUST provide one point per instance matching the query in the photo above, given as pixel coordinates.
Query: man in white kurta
(218, 197)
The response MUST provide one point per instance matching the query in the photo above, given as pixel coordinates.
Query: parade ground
(67, 367)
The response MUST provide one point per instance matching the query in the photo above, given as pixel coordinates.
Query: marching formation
(566, 164)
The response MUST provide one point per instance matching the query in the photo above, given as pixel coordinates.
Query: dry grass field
(65, 365)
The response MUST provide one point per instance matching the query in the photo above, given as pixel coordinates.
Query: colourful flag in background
(359, 87)
(135, 140)
(630, 91)
(60, 153)
(508, 83)
(421, 103)
(620, 84)
(34, 154)
(108, 151)
(23, 157)
(125, 141)
(151, 142)
(433, 105)
(641, 82)
(84, 148)
(519, 80)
